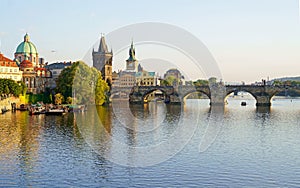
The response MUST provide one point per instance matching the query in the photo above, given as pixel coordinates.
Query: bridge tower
(102, 60)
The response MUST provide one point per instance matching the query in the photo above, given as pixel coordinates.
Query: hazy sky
(250, 39)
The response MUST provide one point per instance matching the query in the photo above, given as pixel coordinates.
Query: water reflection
(163, 129)
(248, 146)
(263, 109)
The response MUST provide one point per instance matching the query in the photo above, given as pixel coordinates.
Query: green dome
(26, 46)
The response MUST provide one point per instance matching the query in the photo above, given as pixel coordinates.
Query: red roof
(40, 69)
(4, 61)
(26, 64)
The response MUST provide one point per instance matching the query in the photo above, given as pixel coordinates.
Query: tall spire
(131, 53)
(102, 45)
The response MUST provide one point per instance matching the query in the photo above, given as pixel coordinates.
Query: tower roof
(131, 53)
(103, 46)
(26, 47)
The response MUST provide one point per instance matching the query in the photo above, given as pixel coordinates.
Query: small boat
(37, 110)
(76, 108)
(4, 110)
(22, 107)
(243, 103)
(55, 112)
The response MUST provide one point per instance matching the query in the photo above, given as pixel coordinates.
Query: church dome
(26, 47)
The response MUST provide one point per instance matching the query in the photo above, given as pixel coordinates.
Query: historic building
(145, 78)
(102, 60)
(56, 69)
(132, 64)
(127, 78)
(35, 75)
(26, 50)
(35, 78)
(115, 79)
(9, 69)
(176, 74)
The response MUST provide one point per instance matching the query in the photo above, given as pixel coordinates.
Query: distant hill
(287, 78)
(289, 93)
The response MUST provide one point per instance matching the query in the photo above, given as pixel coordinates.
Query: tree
(200, 83)
(83, 83)
(170, 81)
(59, 98)
(8, 86)
(69, 100)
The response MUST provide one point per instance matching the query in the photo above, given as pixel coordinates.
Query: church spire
(131, 53)
(102, 45)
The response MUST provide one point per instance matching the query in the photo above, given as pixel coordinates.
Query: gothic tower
(132, 62)
(102, 60)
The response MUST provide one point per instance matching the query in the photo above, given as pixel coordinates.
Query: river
(154, 145)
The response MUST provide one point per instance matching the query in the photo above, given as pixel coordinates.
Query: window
(10, 70)
(16, 70)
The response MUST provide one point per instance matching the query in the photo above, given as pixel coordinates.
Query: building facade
(9, 69)
(56, 69)
(145, 78)
(102, 60)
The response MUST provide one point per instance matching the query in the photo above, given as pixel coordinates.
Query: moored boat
(36, 110)
(4, 110)
(22, 107)
(55, 112)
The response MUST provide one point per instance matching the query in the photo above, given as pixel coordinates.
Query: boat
(36, 110)
(22, 107)
(4, 110)
(76, 108)
(55, 112)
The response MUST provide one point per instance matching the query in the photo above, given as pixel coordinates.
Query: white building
(9, 69)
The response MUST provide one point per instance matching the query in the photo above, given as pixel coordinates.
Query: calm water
(242, 146)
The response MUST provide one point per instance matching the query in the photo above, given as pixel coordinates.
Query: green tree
(170, 81)
(69, 100)
(8, 86)
(84, 82)
(200, 83)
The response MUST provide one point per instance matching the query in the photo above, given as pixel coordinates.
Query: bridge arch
(239, 90)
(262, 94)
(121, 94)
(148, 92)
(185, 95)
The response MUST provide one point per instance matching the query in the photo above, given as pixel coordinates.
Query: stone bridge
(217, 93)
(120, 91)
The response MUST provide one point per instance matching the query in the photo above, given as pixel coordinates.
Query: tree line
(9, 88)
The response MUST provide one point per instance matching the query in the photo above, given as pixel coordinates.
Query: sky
(249, 39)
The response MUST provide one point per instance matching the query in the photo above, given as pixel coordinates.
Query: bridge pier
(174, 99)
(263, 101)
(217, 94)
